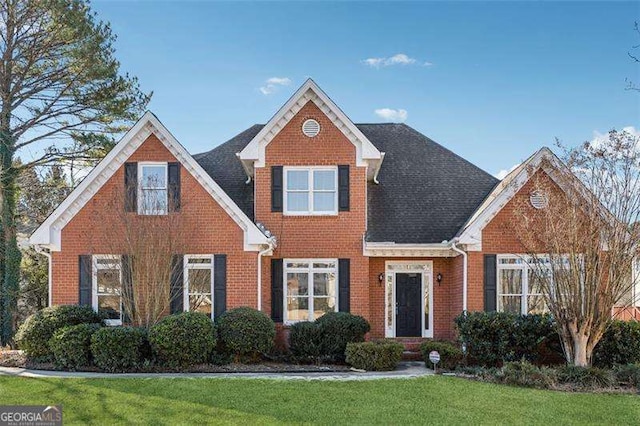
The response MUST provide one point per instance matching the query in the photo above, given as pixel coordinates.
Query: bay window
(310, 190)
(310, 289)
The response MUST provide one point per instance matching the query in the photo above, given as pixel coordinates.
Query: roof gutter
(246, 169)
(377, 170)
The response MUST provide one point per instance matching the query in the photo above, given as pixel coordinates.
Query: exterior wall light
(439, 278)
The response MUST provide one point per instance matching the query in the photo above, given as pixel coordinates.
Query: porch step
(411, 356)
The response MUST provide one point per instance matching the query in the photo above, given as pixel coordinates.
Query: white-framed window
(152, 188)
(311, 190)
(198, 283)
(310, 288)
(107, 287)
(518, 287)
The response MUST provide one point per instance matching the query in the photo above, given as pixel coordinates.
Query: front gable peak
(253, 155)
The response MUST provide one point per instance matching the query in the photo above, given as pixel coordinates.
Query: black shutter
(344, 276)
(490, 282)
(131, 187)
(127, 288)
(84, 268)
(219, 284)
(277, 284)
(343, 188)
(277, 192)
(174, 186)
(177, 284)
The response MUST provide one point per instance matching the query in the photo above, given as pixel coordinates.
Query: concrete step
(411, 356)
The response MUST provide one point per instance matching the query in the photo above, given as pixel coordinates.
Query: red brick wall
(211, 230)
(497, 238)
(316, 236)
(447, 296)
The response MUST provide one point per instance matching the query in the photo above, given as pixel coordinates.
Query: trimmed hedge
(620, 344)
(34, 334)
(246, 333)
(450, 354)
(493, 338)
(71, 345)
(183, 340)
(337, 329)
(374, 356)
(119, 349)
(305, 340)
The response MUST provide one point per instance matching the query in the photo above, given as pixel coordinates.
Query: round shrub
(374, 356)
(119, 348)
(34, 334)
(305, 340)
(246, 333)
(71, 345)
(337, 329)
(450, 354)
(620, 344)
(183, 340)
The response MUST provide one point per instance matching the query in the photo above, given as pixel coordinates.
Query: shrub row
(494, 338)
(326, 338)
(73, 337)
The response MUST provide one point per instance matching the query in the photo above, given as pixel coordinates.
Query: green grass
(429, 400)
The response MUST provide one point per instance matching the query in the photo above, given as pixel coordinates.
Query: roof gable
(253, 155)
(471, 233)
(49, 233)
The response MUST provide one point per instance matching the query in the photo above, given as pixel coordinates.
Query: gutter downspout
(40, 250)
(464, 274)
(260, 254)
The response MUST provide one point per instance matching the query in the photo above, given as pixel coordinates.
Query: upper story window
(311, 190)
(107, 287)
(152, 188)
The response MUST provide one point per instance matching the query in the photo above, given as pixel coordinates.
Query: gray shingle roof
(426, 192)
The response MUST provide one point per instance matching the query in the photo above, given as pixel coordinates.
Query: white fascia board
(49, 233)
(254, 152)
(391, 249)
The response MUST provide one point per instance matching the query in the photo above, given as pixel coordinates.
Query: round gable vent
(539, 199)
(310, 128)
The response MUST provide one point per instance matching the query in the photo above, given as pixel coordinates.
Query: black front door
(408, 305)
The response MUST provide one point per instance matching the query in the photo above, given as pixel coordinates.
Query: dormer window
(311, 190)
(152, 188)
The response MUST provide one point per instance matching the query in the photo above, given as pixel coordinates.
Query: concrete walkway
(405, 370)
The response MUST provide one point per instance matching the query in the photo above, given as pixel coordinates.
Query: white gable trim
(49, 233)
(471, 233)
(253, 155)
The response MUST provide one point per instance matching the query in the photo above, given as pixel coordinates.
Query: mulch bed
(13, 358)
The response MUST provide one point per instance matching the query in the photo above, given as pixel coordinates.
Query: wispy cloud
(599, 138)
(390, 114)
(397, 59)
(504, 172)
(272, 84)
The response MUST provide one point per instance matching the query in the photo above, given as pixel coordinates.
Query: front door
(408, 305)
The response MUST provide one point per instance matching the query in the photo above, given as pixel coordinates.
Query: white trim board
(49, 233)
(367, 155)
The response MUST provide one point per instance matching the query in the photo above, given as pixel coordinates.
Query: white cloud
(397, 59)
(504, 172)
(390, 114)
(599, 138)
(272, 84)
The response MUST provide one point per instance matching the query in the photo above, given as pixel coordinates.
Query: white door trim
(392, 267)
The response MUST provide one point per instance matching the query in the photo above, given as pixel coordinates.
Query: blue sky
(493, 82)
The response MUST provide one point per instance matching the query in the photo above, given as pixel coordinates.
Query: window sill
(112, 322)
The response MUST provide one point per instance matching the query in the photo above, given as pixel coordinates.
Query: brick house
(307, 214)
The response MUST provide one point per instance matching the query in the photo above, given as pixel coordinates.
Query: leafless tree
(582, 243)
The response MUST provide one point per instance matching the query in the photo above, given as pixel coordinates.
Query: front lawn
(429, 400)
